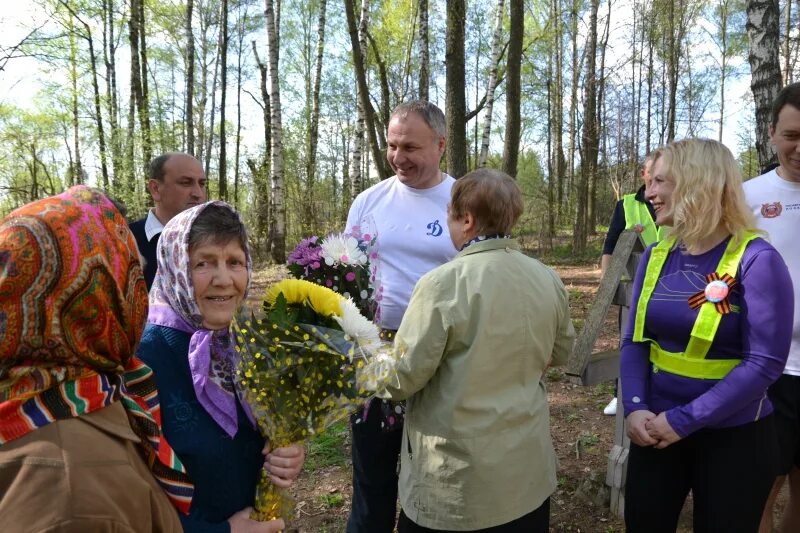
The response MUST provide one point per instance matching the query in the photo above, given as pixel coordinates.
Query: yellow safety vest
(636, 213)
(692, 362)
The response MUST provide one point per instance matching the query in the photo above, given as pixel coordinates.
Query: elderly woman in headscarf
(202, 279)
(80, 443)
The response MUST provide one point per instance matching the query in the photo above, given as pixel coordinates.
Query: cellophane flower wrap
(299, 355)
(342, 262)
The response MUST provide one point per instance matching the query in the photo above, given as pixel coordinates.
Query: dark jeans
(537, 521)
(730, 472)
(375, 455)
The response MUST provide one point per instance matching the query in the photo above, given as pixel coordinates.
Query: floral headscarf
(72, 307)
(212, 355)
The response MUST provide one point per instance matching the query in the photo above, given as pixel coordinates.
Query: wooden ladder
(590, 368)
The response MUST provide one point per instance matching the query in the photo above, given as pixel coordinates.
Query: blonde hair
(708, 190)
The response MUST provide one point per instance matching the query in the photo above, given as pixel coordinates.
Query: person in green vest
(632, 212)
(710, 327)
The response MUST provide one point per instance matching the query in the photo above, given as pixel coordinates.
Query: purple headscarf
(212, 357)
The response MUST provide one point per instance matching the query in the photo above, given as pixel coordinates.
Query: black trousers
(375, 456)
(730, 472)
(537, 521)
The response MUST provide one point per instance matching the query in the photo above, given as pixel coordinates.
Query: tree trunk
(673, 55)
(599, 125)
(363, 92)
(455, 100)
(189, 114)
(109, 52)
(144, 101)
(223, 156)
(573, 103)
(76, 173)
(213, 110)
(513, 70)
(313, 130)
(552, 120)
(650, 72)
(278, 210)
(787, 70)
(558, 117)
(101, 136)
(723, 18)
(490, 86)
(424, 51)
(242, 25)
(589, 139)
(262, 68)
(763, 32)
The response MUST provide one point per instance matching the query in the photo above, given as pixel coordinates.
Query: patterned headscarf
(72, 307)
(173, 304)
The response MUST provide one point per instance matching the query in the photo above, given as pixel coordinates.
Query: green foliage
(748, 163)
(328, 448)
(332, 500)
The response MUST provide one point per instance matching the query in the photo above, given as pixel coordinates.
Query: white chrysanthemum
(341, 248)
(354, 324)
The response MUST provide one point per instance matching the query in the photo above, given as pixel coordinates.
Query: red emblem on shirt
(771, 210)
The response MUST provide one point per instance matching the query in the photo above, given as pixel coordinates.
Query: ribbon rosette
(716, 291)
(298, 361)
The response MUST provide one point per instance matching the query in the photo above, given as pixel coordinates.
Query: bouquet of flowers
(298, 362)
(341, 262)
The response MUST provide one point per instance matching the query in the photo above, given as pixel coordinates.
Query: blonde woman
(712, 322)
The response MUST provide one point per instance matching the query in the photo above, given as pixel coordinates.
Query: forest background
(286, 102)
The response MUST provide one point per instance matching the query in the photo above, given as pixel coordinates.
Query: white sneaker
(611, 408)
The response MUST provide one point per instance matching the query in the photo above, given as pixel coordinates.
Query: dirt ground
(582, 436)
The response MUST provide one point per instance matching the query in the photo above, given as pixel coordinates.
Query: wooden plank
(593, 324)
(603, 366)
(624, 293)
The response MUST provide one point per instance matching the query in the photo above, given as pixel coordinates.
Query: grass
(328, 448)
(588, 440)
(332, 500)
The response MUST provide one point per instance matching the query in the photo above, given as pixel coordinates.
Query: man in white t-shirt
(774, 198)
(408, 213)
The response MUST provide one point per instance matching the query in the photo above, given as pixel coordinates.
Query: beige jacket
(83, 475)
(475, 341)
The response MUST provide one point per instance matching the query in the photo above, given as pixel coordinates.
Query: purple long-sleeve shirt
(758, 330)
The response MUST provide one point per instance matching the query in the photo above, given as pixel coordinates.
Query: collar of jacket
(488, 245)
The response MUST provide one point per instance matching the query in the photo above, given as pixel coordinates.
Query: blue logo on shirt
(435, 229)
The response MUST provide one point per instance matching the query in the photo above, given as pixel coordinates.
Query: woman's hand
(241, 523)
(659, 429)
(637, 431)
(283, 464)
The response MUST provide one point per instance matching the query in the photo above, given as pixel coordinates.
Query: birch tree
(763, 19)
(490, 86)
(278, 208)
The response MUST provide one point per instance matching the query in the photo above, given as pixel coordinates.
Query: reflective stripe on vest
(636, 213)
(692, 362)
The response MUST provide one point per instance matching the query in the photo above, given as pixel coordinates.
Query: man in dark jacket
(176, 182)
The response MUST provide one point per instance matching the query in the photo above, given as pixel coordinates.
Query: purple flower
(306, 253)
(328, 283)
(350, 276)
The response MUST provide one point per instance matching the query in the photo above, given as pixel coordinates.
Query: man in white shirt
(774, 198)
(176, 182)
(408, 215)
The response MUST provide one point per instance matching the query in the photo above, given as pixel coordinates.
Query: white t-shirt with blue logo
(412, 237)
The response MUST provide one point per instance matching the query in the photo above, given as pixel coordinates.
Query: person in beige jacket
(471, 352)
